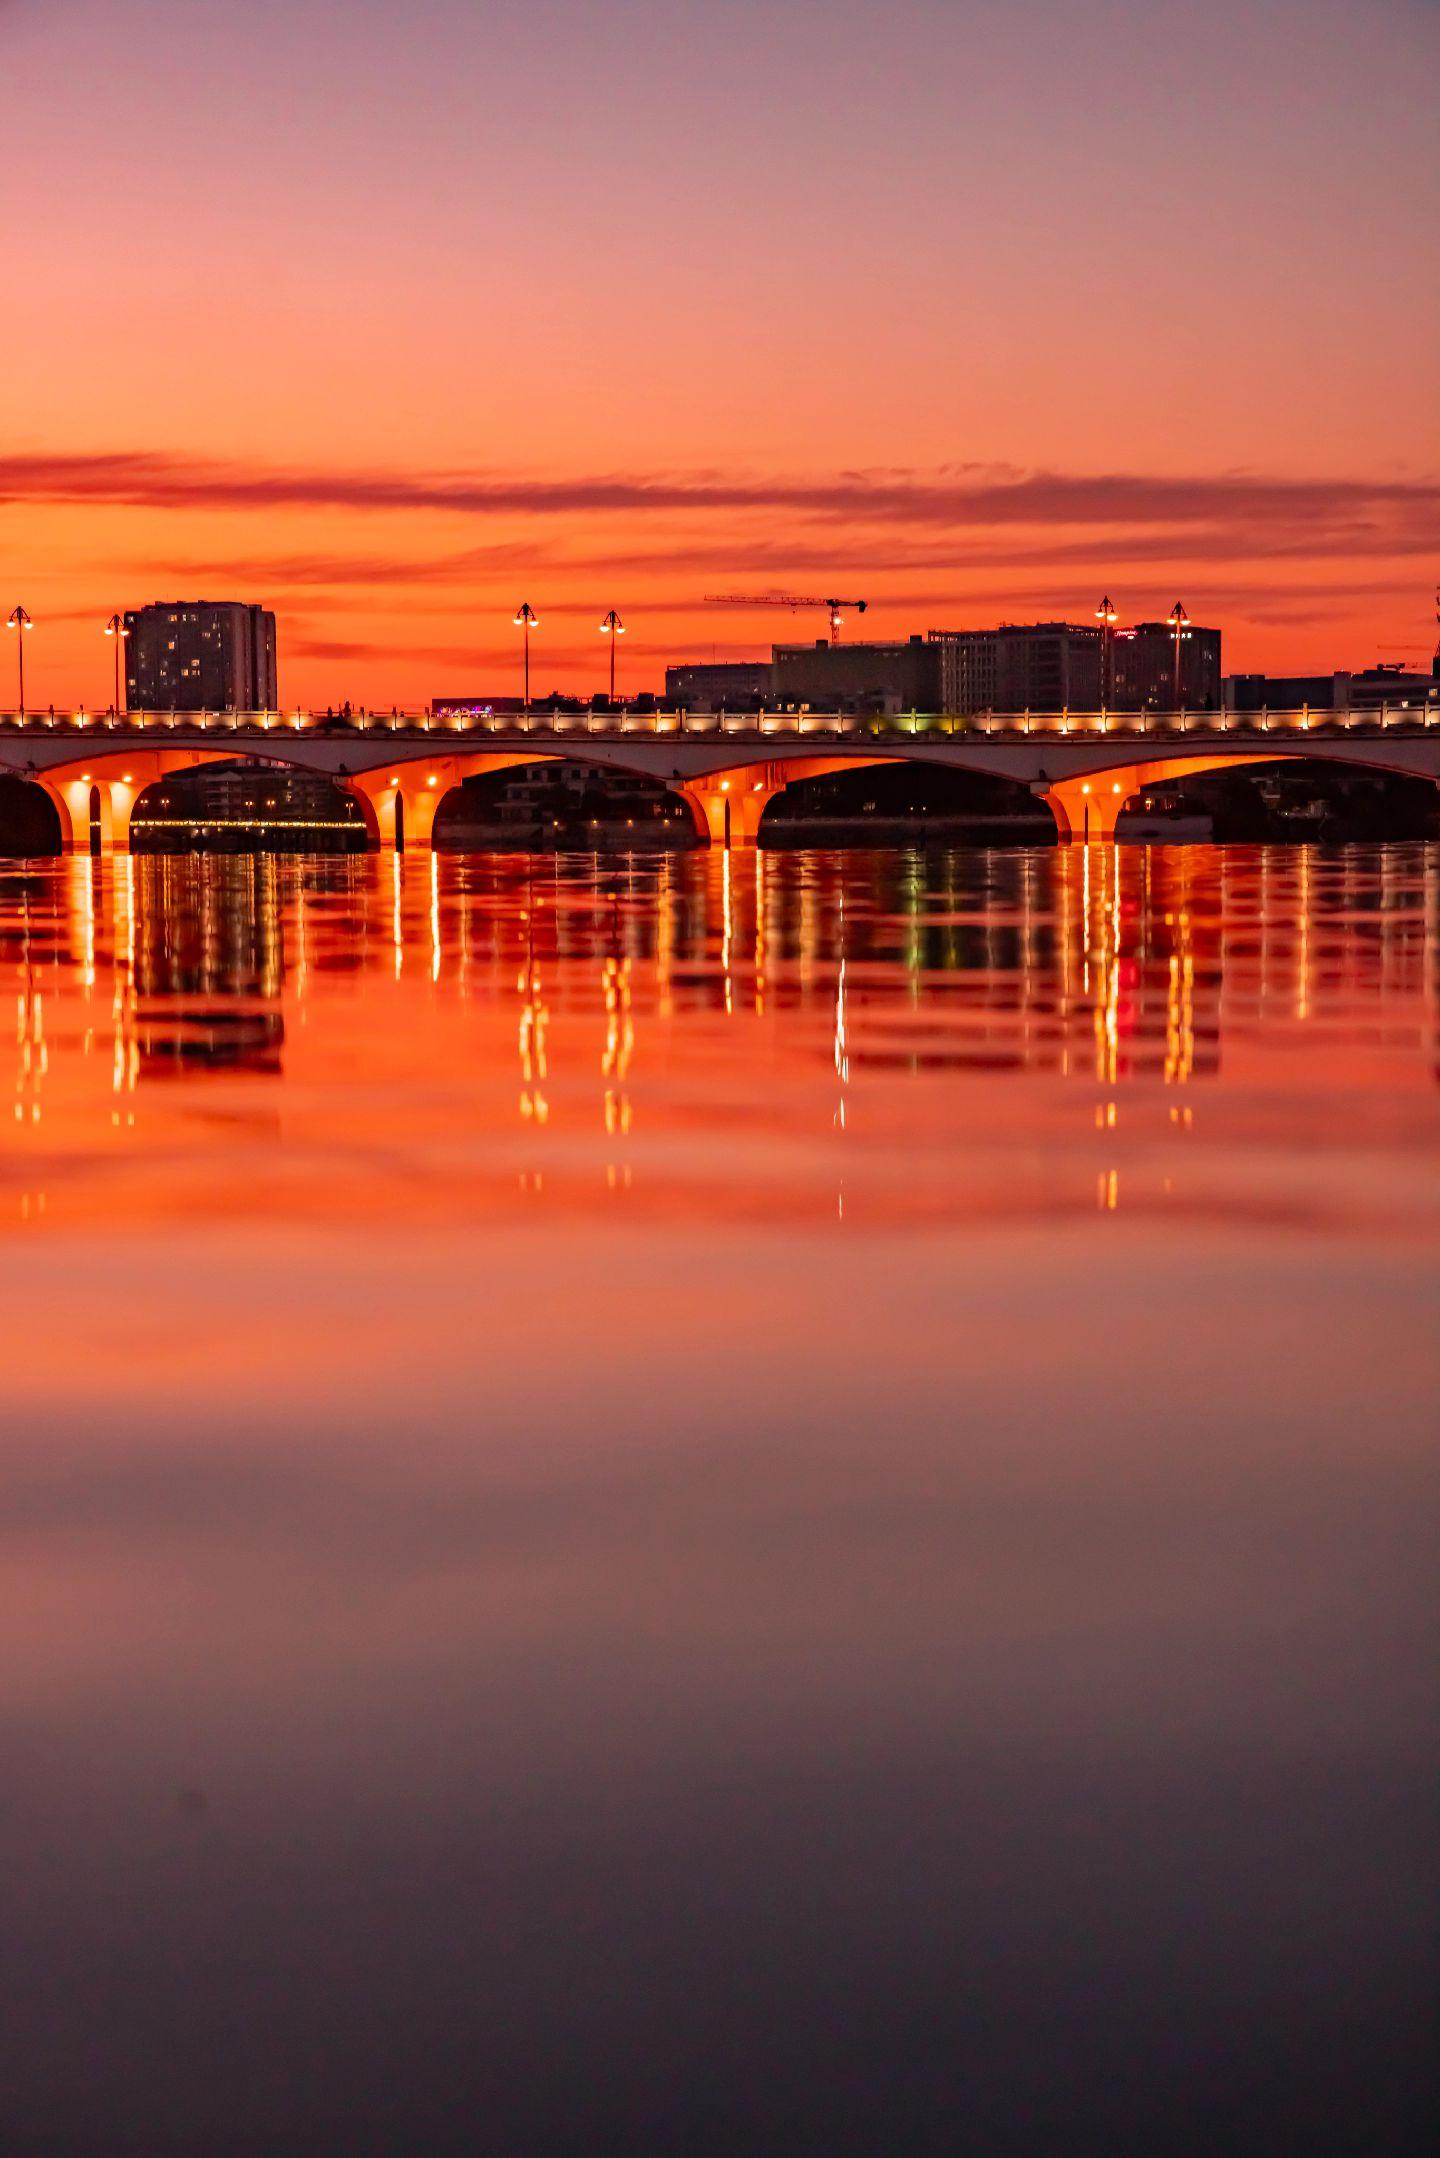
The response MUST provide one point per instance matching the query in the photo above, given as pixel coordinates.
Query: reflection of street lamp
(612, 627)
(1180, 622)
(1105, 615)
(527, 619)
(115, 628)
(20, 621)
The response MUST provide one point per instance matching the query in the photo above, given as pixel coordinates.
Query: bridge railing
(749, 726)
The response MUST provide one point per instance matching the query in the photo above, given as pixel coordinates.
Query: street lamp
(1106, 616)
(1179, 621)
(612, 627)
(20, 621)
(527, 619)
(115, 628)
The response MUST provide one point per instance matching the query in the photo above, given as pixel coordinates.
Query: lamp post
(1105, 615)
(1179, 621)
(19, 621)
(527, 619)
(612, 627)
(115, 628)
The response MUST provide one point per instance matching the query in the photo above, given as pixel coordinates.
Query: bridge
(727, 768)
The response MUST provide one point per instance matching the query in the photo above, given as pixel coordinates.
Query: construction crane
(792, 600)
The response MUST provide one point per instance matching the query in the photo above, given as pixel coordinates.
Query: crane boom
(792, 600)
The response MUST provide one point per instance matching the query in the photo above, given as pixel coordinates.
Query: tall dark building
(200, 655)
(1145, 669)
(1020, 667)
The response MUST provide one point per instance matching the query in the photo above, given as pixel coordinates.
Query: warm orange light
(432, 779)
(1085, 787)
(1116, 788)
(394, 782)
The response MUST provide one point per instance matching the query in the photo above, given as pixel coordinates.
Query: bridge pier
(1087, 810)
(728, 806)
(400, 802)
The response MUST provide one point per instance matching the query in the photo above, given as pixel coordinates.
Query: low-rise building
(1390, 686)
(1278, 692)
(735, 685)
(900, 677)
(1368, 689)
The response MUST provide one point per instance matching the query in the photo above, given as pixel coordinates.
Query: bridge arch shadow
(1312, 798)
(243, 806)
(905, 800)
(558, 802)
(31, 827)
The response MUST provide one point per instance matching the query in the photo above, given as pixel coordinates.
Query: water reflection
(653, 1498)
(1133, 976)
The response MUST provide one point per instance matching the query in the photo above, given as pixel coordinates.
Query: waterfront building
(200, 655)
(900, 677)
(968, 659)
(1279, 692)
(1020, 667)
(1383, 684)
(716, 685)
(1365, 690)
(1144, 661)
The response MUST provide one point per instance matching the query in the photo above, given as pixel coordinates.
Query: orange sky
(391, 319)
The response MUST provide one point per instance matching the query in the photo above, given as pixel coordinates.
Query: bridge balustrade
(740, 725)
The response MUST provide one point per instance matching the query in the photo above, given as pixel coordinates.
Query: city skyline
(969, 310)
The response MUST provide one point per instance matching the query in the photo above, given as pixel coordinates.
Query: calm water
(746, 1504)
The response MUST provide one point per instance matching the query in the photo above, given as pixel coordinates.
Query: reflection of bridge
(1086, 766)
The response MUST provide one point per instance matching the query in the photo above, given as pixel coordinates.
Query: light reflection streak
(727, 930)
(665, 940)
(534, 1019)
(619, 1043)
(397, 918)
(434, 916)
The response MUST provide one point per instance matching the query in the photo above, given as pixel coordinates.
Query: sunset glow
(382, 316)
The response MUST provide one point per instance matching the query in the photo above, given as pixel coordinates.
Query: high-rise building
(200, 655)
(1020, 667)
(1145, 668)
